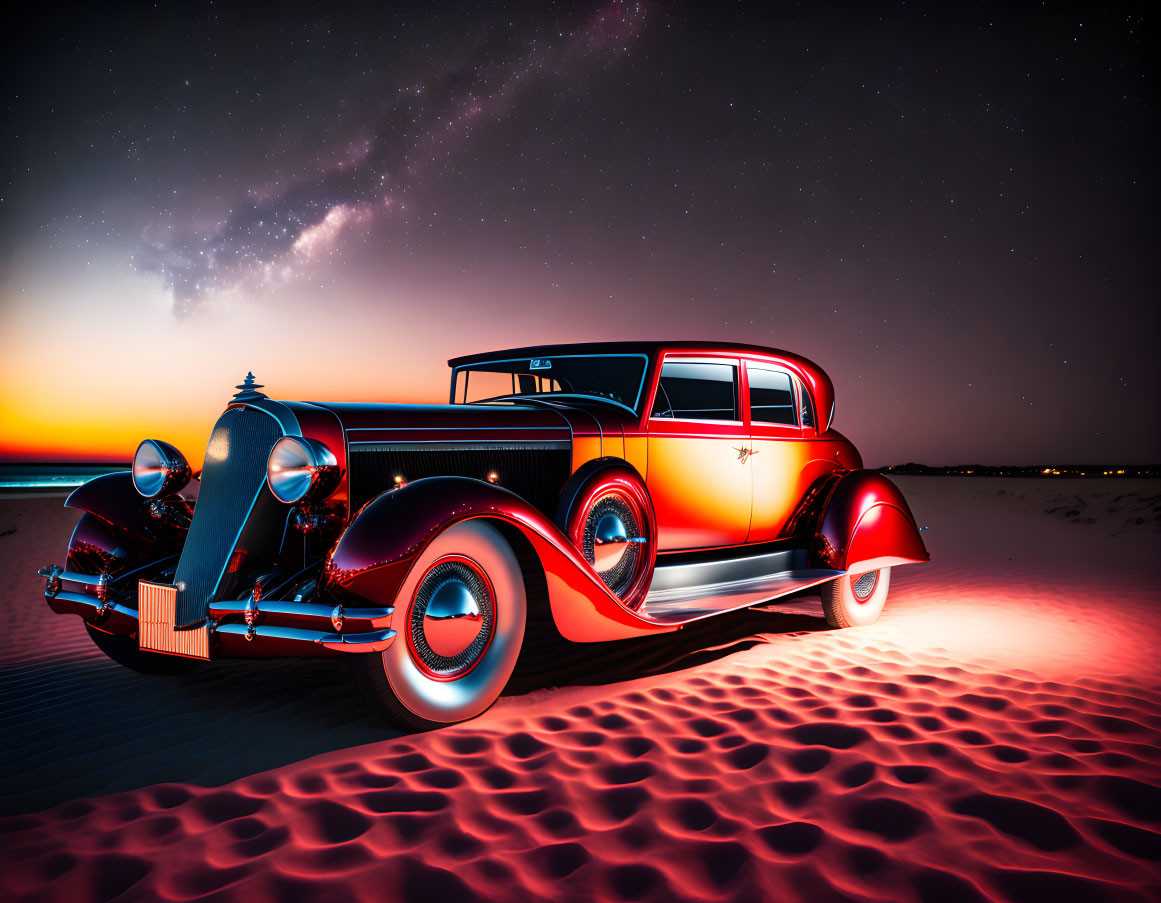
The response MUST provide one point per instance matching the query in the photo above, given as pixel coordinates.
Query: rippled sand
(996, 736)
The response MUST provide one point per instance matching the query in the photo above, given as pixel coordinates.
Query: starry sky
(950, 207)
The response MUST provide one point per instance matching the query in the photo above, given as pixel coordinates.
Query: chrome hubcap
(611, 544)
(452, 619)
(610, 540)
(863, 586)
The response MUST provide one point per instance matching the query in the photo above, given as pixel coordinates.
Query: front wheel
(459, 622)
(125, 652)
(856, 600)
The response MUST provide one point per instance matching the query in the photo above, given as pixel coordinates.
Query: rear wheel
(125, 651)
(855, 600)
(459, 622)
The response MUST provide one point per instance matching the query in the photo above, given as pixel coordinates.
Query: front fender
(118, 529)
(113, 499)
(375, 553)
(867, 524)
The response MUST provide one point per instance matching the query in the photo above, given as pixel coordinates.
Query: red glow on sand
(995, 736)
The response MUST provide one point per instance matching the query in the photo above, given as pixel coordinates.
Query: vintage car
(593, 491)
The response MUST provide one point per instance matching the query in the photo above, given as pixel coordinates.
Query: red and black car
(622, 489)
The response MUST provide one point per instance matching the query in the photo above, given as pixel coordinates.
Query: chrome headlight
(300, 467)
(159, 469)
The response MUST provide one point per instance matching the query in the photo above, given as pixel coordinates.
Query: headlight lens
(159, 469)
(299, 467)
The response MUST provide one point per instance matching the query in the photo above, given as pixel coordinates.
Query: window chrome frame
(634, 410)
(796, 390)
(734, 362)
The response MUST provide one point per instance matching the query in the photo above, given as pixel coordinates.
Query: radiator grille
(534, 472)
(155, 609)
(232, 476)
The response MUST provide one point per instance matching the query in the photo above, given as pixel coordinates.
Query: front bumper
(237, 629)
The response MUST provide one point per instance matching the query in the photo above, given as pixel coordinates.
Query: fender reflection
(376, 552)
(867, 524)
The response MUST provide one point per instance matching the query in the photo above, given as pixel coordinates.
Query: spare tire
(606, 511)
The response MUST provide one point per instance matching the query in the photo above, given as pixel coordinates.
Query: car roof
(816, 378)
(640, 347)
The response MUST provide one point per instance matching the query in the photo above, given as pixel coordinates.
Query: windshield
(615, 378)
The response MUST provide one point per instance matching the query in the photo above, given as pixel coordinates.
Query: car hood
(422, 422)
(543, 421)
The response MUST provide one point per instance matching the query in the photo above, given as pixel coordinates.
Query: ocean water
(52, 476)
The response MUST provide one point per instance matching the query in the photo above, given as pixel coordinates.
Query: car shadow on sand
(86, 727)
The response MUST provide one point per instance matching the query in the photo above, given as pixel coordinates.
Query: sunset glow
(453, 184)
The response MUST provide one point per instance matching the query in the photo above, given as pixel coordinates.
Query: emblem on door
(744, 453)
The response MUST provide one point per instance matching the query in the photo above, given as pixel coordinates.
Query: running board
(688, 592)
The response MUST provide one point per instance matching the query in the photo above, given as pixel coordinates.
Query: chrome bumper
(270, 641)
(238, 629)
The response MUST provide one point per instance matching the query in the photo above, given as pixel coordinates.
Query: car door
(698, 471)
(780, 452)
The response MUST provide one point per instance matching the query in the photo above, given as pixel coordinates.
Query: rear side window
(772, 397)
(807, 406)
(697, 391)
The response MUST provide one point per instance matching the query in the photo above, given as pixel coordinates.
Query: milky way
(262, 243)
(951, 207)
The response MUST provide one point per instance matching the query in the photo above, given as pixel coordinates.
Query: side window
(697, 391)
(807, 406)
(772, 397)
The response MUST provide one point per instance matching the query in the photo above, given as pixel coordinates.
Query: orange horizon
(105, 437)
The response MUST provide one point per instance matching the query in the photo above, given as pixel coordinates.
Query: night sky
(952, 210)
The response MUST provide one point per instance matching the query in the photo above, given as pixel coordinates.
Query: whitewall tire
(459, 622)
(856, 600)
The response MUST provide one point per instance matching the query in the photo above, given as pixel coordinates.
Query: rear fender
(374, 555)
(867, 524)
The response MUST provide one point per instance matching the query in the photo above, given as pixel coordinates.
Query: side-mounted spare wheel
(606, 511)
(459, 622)
(856, 600)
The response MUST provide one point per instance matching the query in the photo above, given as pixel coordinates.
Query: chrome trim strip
(377, 617)
(675, 607)
(451, 445)
(276, 409)
(661, 419)
(90, 608)
(561, 411)
(511, 360)
(72, 577)
(375, 641)
(679, 594)
(287, 419)
(445, 429)
(551, 396)
(731, 570)
(794, 381)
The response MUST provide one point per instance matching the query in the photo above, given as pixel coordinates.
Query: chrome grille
(232, 478)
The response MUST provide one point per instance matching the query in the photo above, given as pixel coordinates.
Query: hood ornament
(249, 389)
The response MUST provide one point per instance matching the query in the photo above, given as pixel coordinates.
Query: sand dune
(995, 736)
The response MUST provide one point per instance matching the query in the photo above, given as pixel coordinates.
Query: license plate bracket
(156, 605)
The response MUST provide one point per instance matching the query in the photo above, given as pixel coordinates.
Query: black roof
(649, 348)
